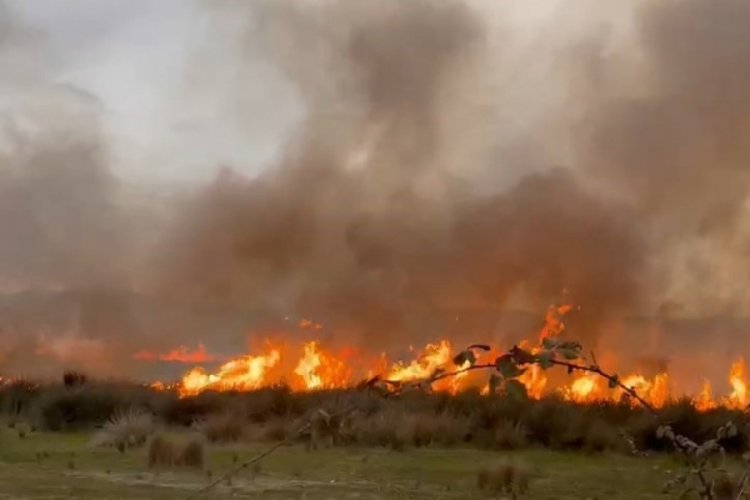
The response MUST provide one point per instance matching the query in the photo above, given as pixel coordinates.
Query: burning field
(289, 212)
(310, 366)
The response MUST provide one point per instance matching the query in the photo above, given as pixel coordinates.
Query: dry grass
(222, 428)
(602, 436)
(509, 435)
(161, 452)
(192, 454)
(125, 429)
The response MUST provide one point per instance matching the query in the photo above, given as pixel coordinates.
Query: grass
(64, 465)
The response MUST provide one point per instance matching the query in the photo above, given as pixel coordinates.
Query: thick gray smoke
(443, 170)
(368, 223)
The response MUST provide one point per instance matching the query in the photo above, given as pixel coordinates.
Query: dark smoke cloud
(418, 188)
(674, 145)
(365, 223)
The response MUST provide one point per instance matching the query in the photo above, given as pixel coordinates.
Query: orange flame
(705, 401)
(434, 356)
(242, 374)
(317, 369)
(738, 380)
(321, 371)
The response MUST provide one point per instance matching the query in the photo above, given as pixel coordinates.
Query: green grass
(72, 469)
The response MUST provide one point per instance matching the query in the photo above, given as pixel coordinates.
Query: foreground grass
(53, 465)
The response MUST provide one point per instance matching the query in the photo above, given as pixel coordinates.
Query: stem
(611, 378)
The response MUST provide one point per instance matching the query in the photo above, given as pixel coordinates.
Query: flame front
(434, 356)
(317, 369)
(242, 374)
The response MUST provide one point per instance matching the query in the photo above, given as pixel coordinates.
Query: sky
(165, 115)
(135, 57)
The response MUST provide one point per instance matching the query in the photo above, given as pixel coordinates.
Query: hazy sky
(136, 58)
(166, 115)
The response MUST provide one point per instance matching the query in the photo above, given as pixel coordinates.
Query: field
(97, 440)
(72, 468)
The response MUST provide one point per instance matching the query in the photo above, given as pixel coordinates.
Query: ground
(50, 466)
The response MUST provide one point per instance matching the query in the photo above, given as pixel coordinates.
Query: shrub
(161, 452)
(125, 429)
(73, 378)
(602, 436)
(192, 454)
(222, 428)
(510, 436)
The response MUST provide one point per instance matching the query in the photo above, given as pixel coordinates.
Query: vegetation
(401, 417)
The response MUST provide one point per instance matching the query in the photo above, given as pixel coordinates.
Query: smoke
(367, 223)
(673, 144)
(447, 163)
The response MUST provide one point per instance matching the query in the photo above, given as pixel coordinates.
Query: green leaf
(544, 359)
(550, 342)
(570, 345)
(507, 367)
(522, 357)
(613, 382)
(570, 354)
(515, 390)
(463, 357)
(483, 347)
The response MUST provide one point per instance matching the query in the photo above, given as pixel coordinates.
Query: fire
(434, 356)
(535, 380)
(584, 389)
(242, 374)
(738, 381)
(318, 370)
(553, 321)
(705, 401)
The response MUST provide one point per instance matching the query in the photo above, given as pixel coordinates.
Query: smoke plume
(445, 166)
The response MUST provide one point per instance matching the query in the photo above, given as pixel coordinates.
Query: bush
(161, 452)
(223, 428)
(125, 429)
(510, 436)
(73, 378)
(603, 436)
(191, 455)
